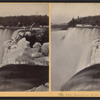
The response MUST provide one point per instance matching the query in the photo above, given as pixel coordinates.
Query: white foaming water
(5, 34)
(70, 52)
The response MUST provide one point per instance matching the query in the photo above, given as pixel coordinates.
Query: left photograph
(24, 47)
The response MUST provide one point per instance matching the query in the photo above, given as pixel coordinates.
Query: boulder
(37, 44)
(28, 33)
(45, 49)
(37, 47)
(23, 43)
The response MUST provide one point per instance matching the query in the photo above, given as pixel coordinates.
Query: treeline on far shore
(20, 21)
(88, 20)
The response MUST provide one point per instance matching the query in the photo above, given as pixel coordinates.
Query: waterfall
(70, 52)
(5, 34)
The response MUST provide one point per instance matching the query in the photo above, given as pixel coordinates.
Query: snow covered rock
(45, 49)
(36, 47)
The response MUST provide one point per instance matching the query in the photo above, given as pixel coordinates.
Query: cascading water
(71, 51)
(5, 34)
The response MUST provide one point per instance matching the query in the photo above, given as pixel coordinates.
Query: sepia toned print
(75, 47)
(24, 47)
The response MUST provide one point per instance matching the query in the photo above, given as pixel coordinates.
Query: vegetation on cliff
(90, 20)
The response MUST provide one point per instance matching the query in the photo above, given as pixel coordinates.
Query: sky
(15, 9)
(64, 12)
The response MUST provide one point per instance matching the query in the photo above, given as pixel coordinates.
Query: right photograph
(75, 47)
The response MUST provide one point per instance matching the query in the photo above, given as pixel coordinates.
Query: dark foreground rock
(23, 77)
(87, 79)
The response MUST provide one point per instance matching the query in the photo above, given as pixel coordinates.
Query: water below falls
(70, 52)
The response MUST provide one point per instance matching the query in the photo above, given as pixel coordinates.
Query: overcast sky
(64, 12)
(11, 9)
